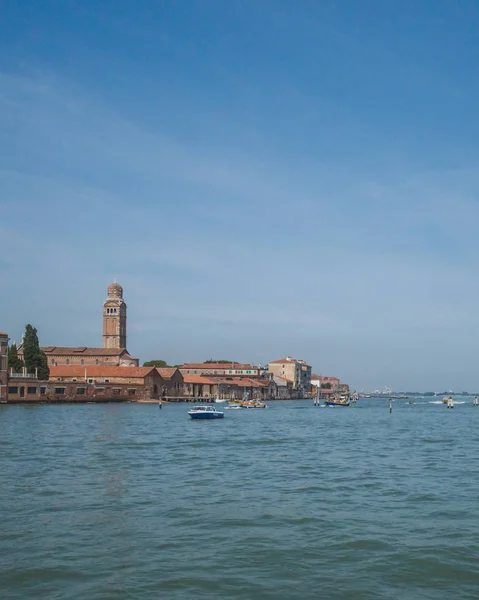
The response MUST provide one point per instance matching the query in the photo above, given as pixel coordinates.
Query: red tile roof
(289, 360)
(84, 351)
(199, 379)
(2, 333)
(99, 371)
(167, 372)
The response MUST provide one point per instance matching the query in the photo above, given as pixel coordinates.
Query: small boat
(205, 412)
(341, 401)
(220, 400)
(336, 403)
(254, 404)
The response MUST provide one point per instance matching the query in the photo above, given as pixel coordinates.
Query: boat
(253, 404)
(336, 403)
(220, 400)
(205, 412)
(341, 401)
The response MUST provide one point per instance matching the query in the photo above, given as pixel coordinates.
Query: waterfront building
(199, 386)
(296, 371)
(284, 388)
(238, 369)
(3, 366)
(113, 353)
(173, 382)
(136, 383)
(229, 387)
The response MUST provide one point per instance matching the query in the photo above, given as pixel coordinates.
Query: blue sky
(263, 177)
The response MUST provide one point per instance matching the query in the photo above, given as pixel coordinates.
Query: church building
(113, 352)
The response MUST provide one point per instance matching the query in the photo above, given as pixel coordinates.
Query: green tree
(218, 362)
(326, 386)
(159, 364)
(33, 357)
(14, 363)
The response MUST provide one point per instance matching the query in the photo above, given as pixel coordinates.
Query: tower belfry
(114, 318)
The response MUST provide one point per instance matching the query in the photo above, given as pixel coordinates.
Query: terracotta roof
(167, 372)
(314, 376)
(84, 351)
(99, 371)
(241, 381)
(288, 360)
(198, 379)
(2, 333)
(226, 366)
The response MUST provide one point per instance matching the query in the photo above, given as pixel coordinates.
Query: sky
(263, 177)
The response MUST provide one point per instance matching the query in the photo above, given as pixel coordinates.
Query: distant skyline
(263, 177)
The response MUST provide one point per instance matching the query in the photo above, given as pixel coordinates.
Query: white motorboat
(205, 412)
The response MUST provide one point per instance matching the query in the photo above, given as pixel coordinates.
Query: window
(107, 381)
(116, 391)
(53, 363)
(81, 391)
(60, 391)
(100, 390)
(82, 362)
(131, 392)
(97, 362)
(43, 391)
(68, 361)
(13, 390)
(31, 390)
(90, 381)
(74, 379)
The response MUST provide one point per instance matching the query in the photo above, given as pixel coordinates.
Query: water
(130, 502)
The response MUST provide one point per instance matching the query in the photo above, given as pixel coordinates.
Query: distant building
(221, 369)
(113, 353)
(3, 366)
(104, 381)
(296, 371)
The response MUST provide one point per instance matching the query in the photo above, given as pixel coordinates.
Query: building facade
(238, 369)
(3, 366)
(296, 371)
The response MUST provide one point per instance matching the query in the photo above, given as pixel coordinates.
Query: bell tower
(114, 318)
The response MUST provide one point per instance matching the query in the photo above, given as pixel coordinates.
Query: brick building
(113, 352)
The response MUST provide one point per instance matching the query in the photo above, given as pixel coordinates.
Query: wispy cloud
(223, 250)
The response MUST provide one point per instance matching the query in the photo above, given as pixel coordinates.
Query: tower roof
(115, 290)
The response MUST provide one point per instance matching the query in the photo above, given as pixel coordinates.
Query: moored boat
(205, 412)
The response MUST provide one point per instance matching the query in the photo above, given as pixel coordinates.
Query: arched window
(68, 361)
(97, 362)
(82, 362)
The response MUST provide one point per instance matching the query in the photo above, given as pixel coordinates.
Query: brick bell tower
(114, 318)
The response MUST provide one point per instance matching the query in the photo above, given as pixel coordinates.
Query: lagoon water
(131, 502)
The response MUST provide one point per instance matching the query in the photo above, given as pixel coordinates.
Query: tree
(14, 363)
(159, 364)
(33, 357)
(326, 386)
(218, 362)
